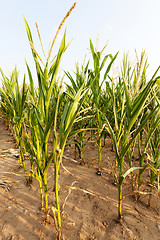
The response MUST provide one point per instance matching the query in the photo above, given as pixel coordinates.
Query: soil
(89, 201)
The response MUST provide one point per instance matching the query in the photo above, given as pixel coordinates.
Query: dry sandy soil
(89, 207)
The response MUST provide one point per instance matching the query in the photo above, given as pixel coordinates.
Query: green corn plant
(81, 138)
(96, 89)
(135, 78)
(112, 99)
(150, 129)
(132, 108)
(41, 118)
(6, 109)
(6, 96)
(80, 129)
(154, 158)
(40, 115)
(14, 101)
(81, 78)
(71, 110)
(154, 143)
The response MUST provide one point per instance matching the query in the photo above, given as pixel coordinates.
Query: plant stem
(120, 201)
(99, 154)
(22, 161)
(82, 146)
(41, 193)
(57, 195)
(150, 195)
(45, 194)
(120, 181)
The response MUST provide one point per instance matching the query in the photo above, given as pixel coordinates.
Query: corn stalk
(132, 110)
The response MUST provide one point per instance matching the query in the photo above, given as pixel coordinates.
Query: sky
(126, 25)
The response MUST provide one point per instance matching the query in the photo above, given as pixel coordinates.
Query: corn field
(93, 104)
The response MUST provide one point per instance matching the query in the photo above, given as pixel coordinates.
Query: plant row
(96, 104)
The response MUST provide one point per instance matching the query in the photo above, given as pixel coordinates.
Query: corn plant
(154, 142)
(135, 78)
(149, 130)
(81, 78)
(41, 120)
(6, 110)
(132, 108)
(40, 115)
(70, 112)
(154, 158)
(96, 89)
(14, 104)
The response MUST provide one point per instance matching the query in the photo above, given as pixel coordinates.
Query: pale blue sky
(126, 24)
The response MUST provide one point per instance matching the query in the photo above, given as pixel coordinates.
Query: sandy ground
(89, 207)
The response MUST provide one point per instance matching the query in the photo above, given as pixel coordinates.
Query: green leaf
(113, 138)
(31, 81)
(110, 65)
(158, 82)
(129, 171)
(92, 48)
(125, 148)
(56, 68)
